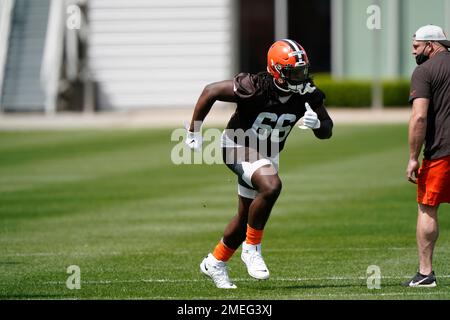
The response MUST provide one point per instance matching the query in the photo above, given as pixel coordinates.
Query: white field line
(190, 252)
(332, 278)
(51, 254)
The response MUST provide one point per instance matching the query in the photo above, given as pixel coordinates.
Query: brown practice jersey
(262, 112)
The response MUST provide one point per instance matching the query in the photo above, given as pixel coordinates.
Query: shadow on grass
(329, 286)
(325, 286)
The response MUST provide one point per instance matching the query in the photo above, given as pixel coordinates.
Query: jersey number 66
(275, 127)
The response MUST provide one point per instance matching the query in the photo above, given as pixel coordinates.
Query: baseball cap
(432, 33)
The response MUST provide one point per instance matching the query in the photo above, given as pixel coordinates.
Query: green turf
(112, 203)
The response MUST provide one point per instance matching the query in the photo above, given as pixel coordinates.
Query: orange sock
(253, 236)
(222, 252)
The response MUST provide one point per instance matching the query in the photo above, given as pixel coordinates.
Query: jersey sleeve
(244, 86)
(316, 99)
(420, 85)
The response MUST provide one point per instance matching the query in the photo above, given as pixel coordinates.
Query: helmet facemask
(295, 77)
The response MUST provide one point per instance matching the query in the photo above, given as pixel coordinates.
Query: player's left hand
(310, 119)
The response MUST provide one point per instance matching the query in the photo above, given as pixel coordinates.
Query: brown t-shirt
(431, 80)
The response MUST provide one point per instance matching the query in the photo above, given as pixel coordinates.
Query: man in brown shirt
(429, 124)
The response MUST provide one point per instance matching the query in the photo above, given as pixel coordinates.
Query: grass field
(112, 203)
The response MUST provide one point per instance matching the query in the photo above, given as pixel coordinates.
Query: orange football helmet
(288, 62)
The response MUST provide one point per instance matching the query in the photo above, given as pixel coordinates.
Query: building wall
(359, 50)
(152, 53)
(417, 13)
(21, 88)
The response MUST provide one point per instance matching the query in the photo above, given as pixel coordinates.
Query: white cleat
(251, 256)
(216, 270)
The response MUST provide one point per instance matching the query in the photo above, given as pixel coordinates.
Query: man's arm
(416, 135)
(218, 91)
(326, 124)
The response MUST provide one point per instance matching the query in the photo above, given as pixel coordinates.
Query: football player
(269, 104)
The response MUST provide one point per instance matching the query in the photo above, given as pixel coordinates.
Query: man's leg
(268, 185)
(235, 231)
(254, 212)
(427, 233)
(214, 265)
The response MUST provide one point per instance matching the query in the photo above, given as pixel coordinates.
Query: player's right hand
(194, 140)
(412, 170)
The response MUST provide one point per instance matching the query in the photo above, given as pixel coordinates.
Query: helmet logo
(278, 66)
(299, 54)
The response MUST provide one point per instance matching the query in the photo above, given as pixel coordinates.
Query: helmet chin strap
(301, 88)
(295, 88)
(282, 89)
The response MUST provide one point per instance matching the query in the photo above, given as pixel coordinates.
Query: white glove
(194, 140)
(309, 119)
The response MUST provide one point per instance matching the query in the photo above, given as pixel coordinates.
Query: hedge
(354, 93)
